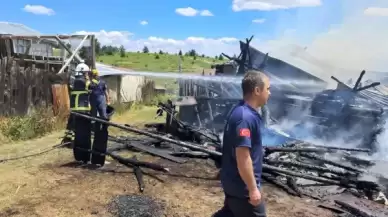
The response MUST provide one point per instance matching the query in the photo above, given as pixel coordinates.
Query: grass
(158, 62)
(25, 178)
(40, 122)
(47, 185)
(137, 114)
(161, 63)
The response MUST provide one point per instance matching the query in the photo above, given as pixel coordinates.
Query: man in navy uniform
(99, 98)
(242, 151)
(99, 101)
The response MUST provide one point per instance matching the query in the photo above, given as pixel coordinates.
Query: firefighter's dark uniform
(99, 105)
(97, 98)
(69, 133)
(79, 102)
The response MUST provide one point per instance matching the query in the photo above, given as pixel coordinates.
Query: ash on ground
(136, 206)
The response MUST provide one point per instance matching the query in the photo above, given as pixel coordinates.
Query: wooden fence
(23, 86)
(189, 88)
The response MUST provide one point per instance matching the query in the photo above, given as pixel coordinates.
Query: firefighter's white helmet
(82, 67)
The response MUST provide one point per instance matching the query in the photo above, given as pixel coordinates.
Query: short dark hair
(251, 80)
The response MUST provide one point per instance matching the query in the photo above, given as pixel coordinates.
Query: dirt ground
(52, 185)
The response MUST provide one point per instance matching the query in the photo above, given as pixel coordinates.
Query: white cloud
(191, 12)
(143, 23)
(357, 43)
(372, 11)
(267, 5)
(201, 45)
(258, 21)
(188, 12)
(115, 38)
(39, 10)
(206, 13)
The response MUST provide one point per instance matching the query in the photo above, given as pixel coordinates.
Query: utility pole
(180, 64)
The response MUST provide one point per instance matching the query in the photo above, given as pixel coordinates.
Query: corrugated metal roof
(16, 29)
(105, 70)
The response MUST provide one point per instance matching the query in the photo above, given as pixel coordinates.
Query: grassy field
(159, 62)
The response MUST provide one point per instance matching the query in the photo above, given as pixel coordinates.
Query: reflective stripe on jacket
(79, 95)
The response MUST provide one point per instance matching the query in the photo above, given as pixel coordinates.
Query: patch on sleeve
(245, 132)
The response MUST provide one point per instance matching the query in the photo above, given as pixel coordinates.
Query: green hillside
(158, 62)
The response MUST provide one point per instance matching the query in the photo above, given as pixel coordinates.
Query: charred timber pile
(324, 172)
(302, 169)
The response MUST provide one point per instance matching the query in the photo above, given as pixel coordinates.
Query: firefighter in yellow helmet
(99, 98)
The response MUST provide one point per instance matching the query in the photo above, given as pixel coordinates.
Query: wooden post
(63, 45)
(93, 51)
(119, 85)
(72, 56)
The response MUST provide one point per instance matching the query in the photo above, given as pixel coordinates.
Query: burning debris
(323, 173)
(337, 177)
(356, 113)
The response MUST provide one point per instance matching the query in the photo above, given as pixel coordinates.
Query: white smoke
(355, 43)
(382, 145)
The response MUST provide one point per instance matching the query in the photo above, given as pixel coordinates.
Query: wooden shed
(28, 68)
(37, 48)
(122, 86)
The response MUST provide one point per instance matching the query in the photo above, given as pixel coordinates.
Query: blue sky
(329, 28)
(163, 21)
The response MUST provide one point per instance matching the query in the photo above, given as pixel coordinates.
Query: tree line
(112, 50)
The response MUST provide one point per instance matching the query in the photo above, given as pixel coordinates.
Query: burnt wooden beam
(340, 165)
(127, 162)
(139, 176)
(310, 166)
(152, 135)
(148, 149)
(353, 209)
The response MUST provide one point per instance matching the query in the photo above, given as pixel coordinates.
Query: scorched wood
(315, 157)
(152, 135)
(310, 166)
(148, 149)
(139, 176)
(128, 162)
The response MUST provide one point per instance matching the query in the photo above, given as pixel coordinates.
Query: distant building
(122, 86)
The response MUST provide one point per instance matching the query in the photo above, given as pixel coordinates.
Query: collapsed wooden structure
(298, 167)
(29, 67)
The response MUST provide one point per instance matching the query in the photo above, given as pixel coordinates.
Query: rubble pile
(327, 174)
(333, 176)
